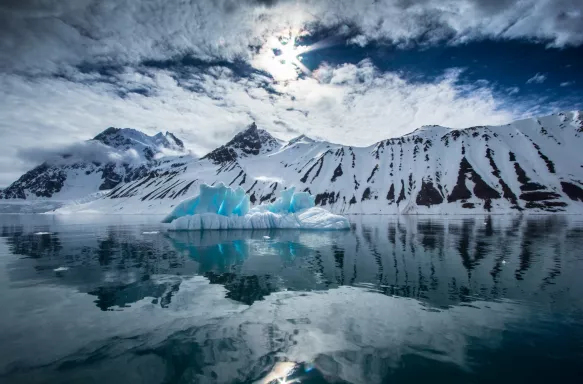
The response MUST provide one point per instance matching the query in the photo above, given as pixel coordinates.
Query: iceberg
(221, 207)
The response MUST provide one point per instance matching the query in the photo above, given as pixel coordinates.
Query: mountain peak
(301, 139)
(108, 132)
(249, 142)
(125, 139)
(170, 136)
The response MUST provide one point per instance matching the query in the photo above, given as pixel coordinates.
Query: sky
(348, 71)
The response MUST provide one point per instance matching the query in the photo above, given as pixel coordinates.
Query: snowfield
(531, 166)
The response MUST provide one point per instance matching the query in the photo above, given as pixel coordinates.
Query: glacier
(221, 207)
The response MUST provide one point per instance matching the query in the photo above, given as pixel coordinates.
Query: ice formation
(221, 207)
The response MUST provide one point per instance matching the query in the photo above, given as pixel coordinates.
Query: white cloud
(356, 104)
(360, 40)
(350, 104)
(513, 90)
(87, 151)
(539, 78)
(43, 36)
(567, 83)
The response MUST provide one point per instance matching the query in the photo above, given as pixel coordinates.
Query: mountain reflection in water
(442, 261)
(395, 298)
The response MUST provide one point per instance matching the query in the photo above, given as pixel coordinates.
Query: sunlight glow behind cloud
(69, 69)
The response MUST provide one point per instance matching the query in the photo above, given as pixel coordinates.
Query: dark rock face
(573, 191)
(428, 195)
(460, 191)
(391, 194)
(337, 173)
(42, 181)
(372, 173)
(527, 185)
(127, 138)
(506, 191)
(548, 162)
(136, 173)
(551, 206)
(45, 180)
(320, 164)
(110, 177)
(535, 194)
(539, 196)
(179, 143)
(402, 193)
(366, 194)
(117, 138)
(271, 195)
(326, 198)
(113, 174)
(481, 189)
(222, 155)
(251, 141)
(107, 136)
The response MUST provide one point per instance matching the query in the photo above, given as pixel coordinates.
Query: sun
(281, 56)
(288, 53)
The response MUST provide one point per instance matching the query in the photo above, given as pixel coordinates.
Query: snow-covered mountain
(533, 166)
(250, 142)
(112, 157)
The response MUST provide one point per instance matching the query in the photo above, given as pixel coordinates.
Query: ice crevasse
(221, 207)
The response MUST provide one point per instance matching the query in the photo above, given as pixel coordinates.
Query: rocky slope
(112, 157)
(530, 166)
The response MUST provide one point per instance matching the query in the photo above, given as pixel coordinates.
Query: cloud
(355, 102)
(85, 151)
(539, 78)
(349, 104)
(513, 90)
(360, 40)
(567, 83)
(45, 36)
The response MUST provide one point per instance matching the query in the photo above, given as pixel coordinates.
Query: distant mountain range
(114, 156)
(533, 165)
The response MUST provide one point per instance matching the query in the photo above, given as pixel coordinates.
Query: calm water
(394, 300)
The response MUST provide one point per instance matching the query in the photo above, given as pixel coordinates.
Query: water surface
(448, 299)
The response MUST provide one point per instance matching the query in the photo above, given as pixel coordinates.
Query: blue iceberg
(221, 207)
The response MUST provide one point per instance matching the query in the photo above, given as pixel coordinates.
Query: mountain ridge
(526, 166)
(122, 155)
(251, 141)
